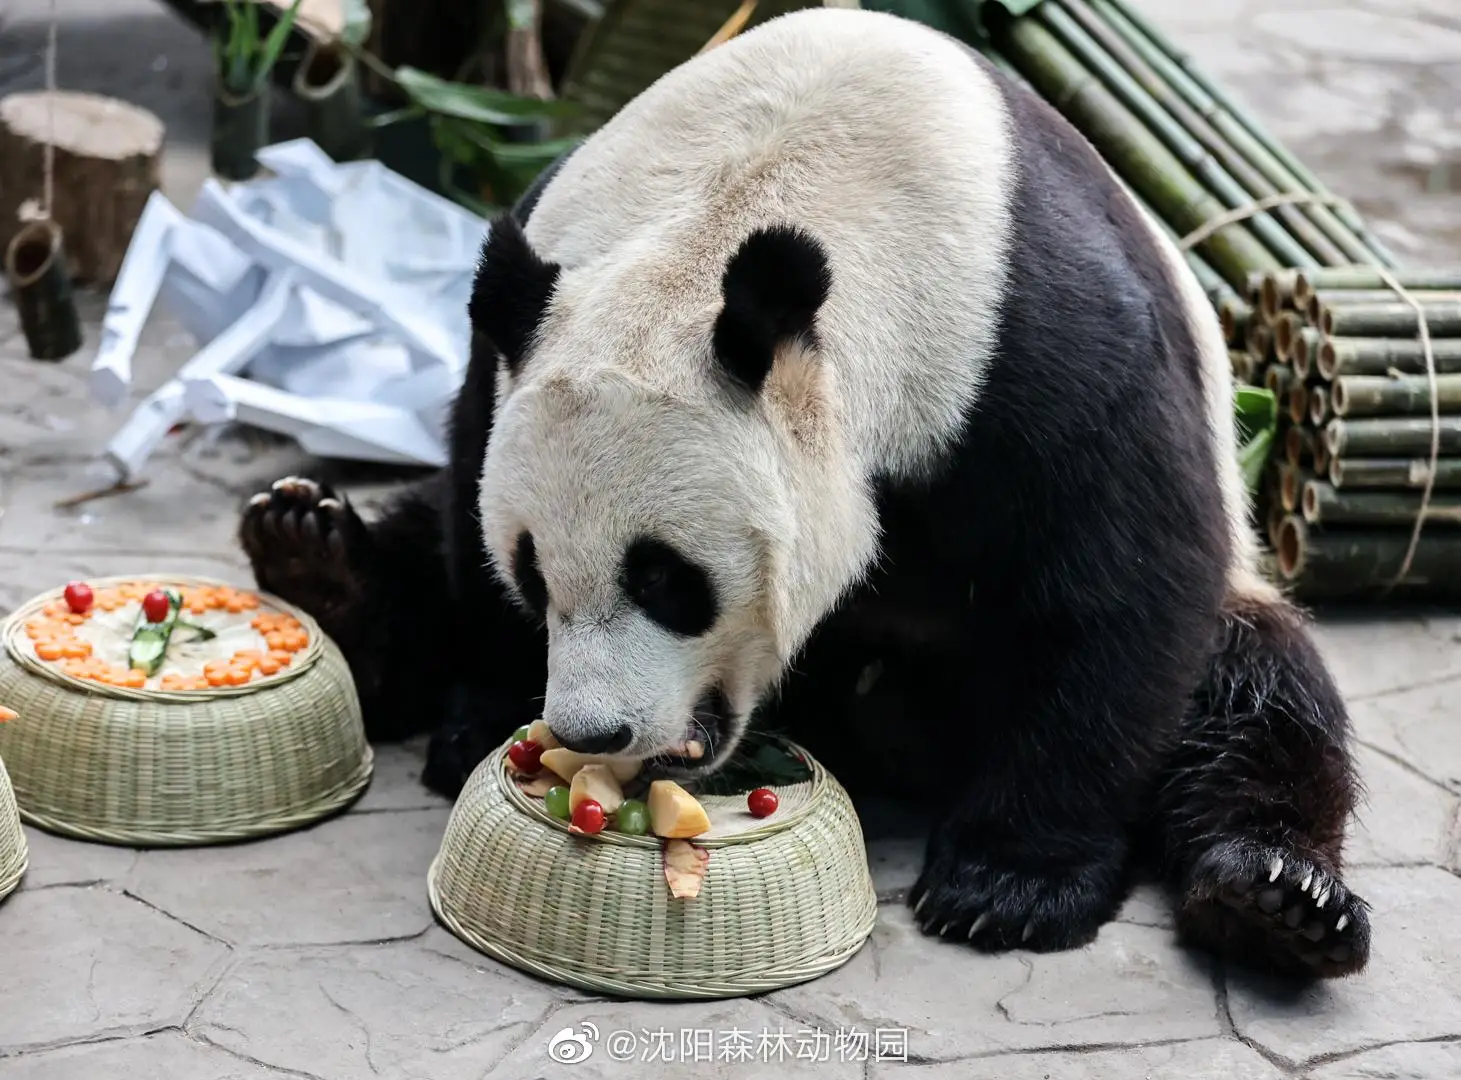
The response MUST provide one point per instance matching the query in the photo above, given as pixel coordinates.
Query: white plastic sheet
(328, 302)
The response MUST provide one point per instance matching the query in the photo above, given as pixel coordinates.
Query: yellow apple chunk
(596, 782)
(566, 763)
(674, 812)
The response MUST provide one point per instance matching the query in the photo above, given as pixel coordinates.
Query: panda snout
(585, 740)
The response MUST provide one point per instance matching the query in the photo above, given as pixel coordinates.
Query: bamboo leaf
(481, 104)
(274, 43)
(1256, 413)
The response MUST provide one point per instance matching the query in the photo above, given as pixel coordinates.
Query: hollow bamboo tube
(35, 263)
(1235, 316)
(1318, 405)
(1397, 319)
(1277, 292)
(1137, 154)
(1333, 298)
(1298, 446)
(1352, 562)
(1308, 281)
(1397, 472)
(1277, 379)
(1379, 356)
(1291, 481)
(1260, 342)
(1400, 395)
(1286, 171)
(1296, 241)
(1323, 504)
(1286, 328)
(1296, 402)
(1242, 364)
(1390, 436)
(1305, 349)
(1320, 460)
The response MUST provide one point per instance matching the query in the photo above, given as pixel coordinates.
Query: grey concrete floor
(314, 955)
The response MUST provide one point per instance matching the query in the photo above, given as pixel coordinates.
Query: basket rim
(534, 808)
(11, 627)
(636, 989)
(322, 806)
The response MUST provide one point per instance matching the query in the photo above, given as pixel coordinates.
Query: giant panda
(836, 385)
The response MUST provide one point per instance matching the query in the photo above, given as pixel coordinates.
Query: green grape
(520, 734)
(557, 802)
(633, 818)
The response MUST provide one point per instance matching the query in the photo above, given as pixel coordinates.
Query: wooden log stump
(106, 166)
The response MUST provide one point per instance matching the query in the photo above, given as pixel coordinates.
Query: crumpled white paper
(328, 301)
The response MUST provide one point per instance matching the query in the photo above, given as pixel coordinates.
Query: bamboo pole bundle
(1303, 291)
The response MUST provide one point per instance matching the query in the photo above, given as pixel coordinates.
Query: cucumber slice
(149, 639)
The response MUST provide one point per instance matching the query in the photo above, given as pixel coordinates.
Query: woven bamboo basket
(13, 852)
(155, 768)
(785, 899)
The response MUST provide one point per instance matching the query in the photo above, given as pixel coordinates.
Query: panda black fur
(902, 456)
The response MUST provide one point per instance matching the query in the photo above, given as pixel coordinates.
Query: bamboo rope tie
(1259, 206)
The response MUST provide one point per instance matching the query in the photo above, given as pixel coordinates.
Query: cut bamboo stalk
(1396, 472)
(1211, 100)
(1291, 481)
(1242, 364)
(1305, 349)
(1390, 436)
(1260, 342)
(1253, 292)
(1288, 234)
(1379, 356)
(1235, 316)
(1286, 328)
(35, 263)
(1352, 562)
(1367, 277)
(1320, 459)
(1323, 504)
(1268, 160)
(1319, 404)
(1297, 402)
(1399, 395)
(1395, 319)
(1327, 298)
(1277, 379)
(1276, 293)
(1151, 169)
(1275, 520)
(1298, 446)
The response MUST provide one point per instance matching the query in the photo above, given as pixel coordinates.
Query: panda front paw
(308, 546)
(963, 895)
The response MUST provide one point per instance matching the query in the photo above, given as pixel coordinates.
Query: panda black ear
(511, 290)
(773, 287)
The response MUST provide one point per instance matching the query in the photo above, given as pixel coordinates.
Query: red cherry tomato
(526, 755)
(589, 816)
(762, 802)
(78, 597)
(155, 605)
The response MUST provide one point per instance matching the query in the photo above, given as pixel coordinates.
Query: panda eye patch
(530, 581)
(667, 587)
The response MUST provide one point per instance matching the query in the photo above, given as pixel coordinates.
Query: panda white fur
(836, 383)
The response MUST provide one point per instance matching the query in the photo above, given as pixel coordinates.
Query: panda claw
(1029, 931)
(1304, 886)
(1341, 923)
(919, 906)
(978, 925)
(261, 499)
(1274, 869)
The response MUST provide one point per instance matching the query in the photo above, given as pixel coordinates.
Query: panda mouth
(705, 736)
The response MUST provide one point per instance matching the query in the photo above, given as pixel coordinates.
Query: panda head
(662, 437)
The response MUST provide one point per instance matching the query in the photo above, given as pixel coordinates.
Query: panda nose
(601, 742)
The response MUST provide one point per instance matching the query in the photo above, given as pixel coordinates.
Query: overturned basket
(148, 766)
(784, 900)
(13, 852)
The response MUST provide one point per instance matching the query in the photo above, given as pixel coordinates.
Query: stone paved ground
(314, 955)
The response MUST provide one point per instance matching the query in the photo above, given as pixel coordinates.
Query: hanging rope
(29, 211)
